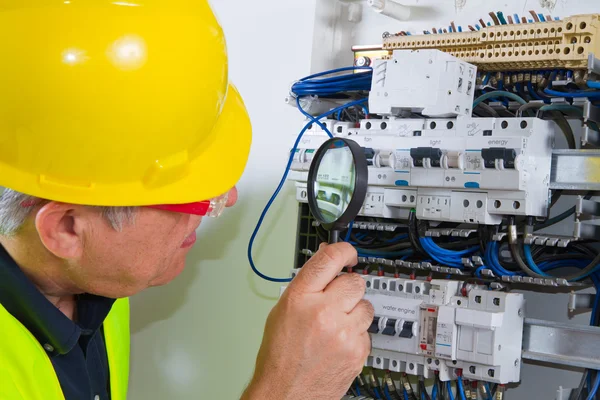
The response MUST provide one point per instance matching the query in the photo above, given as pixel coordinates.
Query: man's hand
(316, 339)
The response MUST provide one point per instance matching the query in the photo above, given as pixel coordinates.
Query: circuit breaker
(444, 326)
(471, 170)
(447, 327)
(430, 82)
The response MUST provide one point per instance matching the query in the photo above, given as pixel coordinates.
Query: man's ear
(61, 228)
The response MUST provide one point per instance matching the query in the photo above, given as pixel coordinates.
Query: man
(117, 121)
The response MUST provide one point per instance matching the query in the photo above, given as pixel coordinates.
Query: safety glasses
(208, 208)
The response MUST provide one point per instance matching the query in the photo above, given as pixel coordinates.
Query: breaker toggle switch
(407, 330)
(374, 328)
(390, 327)
(426, 157)
(499, 158)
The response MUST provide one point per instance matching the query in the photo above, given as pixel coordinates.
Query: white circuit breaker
(430, 82)
(443, 325)
(423, 327)
(472, 170)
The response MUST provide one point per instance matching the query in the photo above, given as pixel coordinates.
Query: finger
(346, 290)
(367, 344)
(362, 315)
(323, 267)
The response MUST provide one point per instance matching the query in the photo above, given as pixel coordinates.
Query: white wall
(198, 337)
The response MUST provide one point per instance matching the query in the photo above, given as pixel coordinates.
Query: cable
(556, 219)
(334, 86)
(584, 273)
(594, 388)
(449, 388)
(413, 232)
(488, 109)
(386, 393)
(593, 84)
(498, 93)
(573, 95)
(528, 106)
(444, 256)
(460, 388)
(280, 186)
(349, 233)
(562, 108)
(534, 93)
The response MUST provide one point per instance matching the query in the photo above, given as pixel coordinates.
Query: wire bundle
(447, 257)
(338, 86)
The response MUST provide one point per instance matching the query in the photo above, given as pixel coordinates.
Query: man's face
(149, 252)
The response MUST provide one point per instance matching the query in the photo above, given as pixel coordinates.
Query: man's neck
(44, 272)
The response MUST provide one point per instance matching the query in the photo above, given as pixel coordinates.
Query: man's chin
(169, 275)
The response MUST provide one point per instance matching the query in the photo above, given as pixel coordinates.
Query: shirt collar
(54, 330)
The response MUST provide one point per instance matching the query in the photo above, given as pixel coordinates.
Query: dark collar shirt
(76, 349)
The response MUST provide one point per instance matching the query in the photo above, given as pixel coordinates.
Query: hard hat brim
(205, 172)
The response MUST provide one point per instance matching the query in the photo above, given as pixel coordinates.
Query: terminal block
(541, 45)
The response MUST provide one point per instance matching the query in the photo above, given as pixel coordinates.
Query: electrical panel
(459, 132)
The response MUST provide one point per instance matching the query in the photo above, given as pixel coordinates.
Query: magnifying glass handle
(334, 236)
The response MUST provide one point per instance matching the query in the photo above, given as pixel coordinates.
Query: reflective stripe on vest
(26, 372)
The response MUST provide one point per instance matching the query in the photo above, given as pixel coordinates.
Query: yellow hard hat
(118, 103)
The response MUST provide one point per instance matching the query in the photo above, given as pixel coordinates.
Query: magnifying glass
(337, 184)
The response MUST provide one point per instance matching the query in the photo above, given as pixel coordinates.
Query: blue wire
(530, 262)
(406, 395)
(434, 392)
(423, 394)
(487, 78)
(533, 93)
(593, 84)
(347, 238)
(376, 392)
(478, 271)
(594, 388)
(280, 186)
(397, 239)
(386, 393)
(461, 388)
(487, 389)
(573, 95)
(357, 388)
(517, 20)
(542, 18)
(449, 387)
(325, 87)
(478, 27)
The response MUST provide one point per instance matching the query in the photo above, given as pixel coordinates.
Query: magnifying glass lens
(335, 181)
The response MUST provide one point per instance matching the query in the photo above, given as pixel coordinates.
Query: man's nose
(232, 198)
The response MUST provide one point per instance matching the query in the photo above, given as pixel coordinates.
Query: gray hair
(16, 207)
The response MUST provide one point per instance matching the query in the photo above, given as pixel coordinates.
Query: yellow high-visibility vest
(26, 372)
